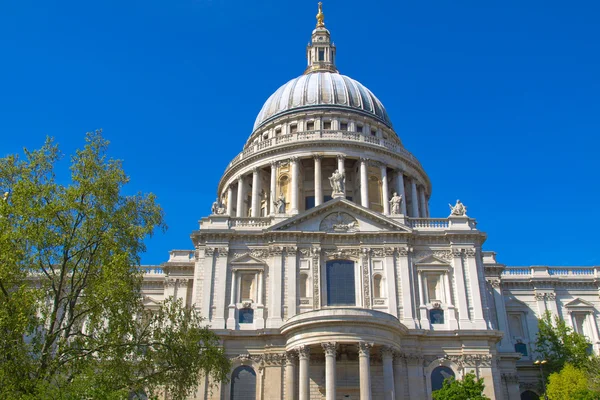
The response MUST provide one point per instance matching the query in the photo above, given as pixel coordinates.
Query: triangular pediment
(433, 261)
(579, 303)
(340, 216)
(247, 259)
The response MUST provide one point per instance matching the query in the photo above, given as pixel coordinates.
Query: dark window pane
(436, 316)
(327, 198)
(246, 316)
(243, 384)
(309, 202)
(521, 348)
(529, 395)
(438, 376)
(340, 283)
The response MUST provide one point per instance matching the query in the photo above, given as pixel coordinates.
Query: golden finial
(320, 17)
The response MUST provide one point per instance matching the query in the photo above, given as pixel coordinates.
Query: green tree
(468, 388)
(72, 321)
(559, 344)
(570, 383)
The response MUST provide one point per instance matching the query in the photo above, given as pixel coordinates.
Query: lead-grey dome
(322, 90)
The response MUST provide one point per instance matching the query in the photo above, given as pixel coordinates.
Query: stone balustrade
(318, 137)
(429, 223)
(544, 271)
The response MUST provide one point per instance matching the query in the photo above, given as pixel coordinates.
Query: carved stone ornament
(389, 251)
(510, 378)
(378, 252)
(366, 284)
(342, 253)
(458, 210)
(495, 283)
(170, 282)
(275, 250)
(291, 250)
(364, 349)
(305, 252)
(339, 222)
(291, 357)
(217, 208)
(209, 251)
(436, 305)
(247, 303)
(274, 358)
(259, 253)
(551, 296)
(470, 252)
(330, 348)
(378, 302)
(540, 296)
(403, 251)
(387, 352)
(303, 352)
(445, 255)
(223, 252)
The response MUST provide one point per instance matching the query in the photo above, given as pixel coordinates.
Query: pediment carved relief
(339, 222)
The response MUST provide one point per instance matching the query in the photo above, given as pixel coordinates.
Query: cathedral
(326, 277)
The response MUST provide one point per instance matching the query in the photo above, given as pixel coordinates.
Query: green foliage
(468, 388)
(559, 344)
(72, 322)
(570, 383)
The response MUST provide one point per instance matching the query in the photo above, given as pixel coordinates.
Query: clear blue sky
(499, 100)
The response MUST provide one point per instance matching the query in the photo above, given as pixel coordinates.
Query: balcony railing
(308, 136)
(543, 271)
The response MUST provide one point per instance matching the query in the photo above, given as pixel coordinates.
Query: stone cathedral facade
(324, 274)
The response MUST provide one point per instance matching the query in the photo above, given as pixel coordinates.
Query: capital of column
(364, 349)
(330, 348)
(364, 160)
(293, 159)
(255, 170)
(239, 178)
(317, 156)
(341, 157)
(291, 357)
(303, 352)
(387, 352)
(274, 164)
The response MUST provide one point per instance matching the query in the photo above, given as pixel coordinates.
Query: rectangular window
(359, 128)
(340, 283)
(309, 202)
(321, 55)
(277, 131)
(310, 126)
(373, 132)
(293, 128)
(579, 323)
(326, 124)
(515, 325)
(343, 126)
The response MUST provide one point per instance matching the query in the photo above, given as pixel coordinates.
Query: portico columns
(387, 356)
(341, 160)
(385, 190)
(330, 352)
(304, 378)
(318, 181)
(272, 194)
(240, 197)
(400, 190)
(364, 364)
(422, 203)
(364, 184)
(414, 198)
(290, 376)
(230, 201)
(295, 182)
(255, 193)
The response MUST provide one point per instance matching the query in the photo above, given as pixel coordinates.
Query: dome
(322, 89)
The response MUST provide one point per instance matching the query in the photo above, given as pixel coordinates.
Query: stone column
(318, 181)
(221, 278)
(364, 183)
(330, 352)
(400, 190)
(255, 193)
(385, 190)
(461, 290)
(209, 266)
(273, 194)
(290, 376)
(387, 356)
(341, 160)
(291, 272)
(275, 277)
(231, 316)
(506, 342)
(230, 201)
(422, 207)
(364, 364)
(478, 318)
(414, 198)
(240, 197)
(295, 183)
(304, 377)
(406, 278)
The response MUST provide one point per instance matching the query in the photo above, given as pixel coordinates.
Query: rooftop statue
(217, 208)
(337, 181)
(280, 204)
(395, 203)
(458, 209)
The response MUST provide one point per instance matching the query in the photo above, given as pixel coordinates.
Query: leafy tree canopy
(570, 383)
(559, 344)
(468, 388)
(72, 321)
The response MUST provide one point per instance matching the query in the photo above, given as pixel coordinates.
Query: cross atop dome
(320, 52)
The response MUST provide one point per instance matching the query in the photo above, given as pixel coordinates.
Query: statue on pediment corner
(458, 210)
(337, 182)
(395, 203)
(217, 207)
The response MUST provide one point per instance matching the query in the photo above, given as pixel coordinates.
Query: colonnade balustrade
(417, 194)
(330, 349)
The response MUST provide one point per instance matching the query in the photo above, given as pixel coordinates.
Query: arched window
(340, 283)
(243, 384)
(303, 285)
(377, 289)
(283, 188)
(529, 395)
(438, 375)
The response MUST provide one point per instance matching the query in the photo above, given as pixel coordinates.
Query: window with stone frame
(310, 126)
(340, 283)
(304, 290)
(326, 124)
(377, 286)
(247, 286)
